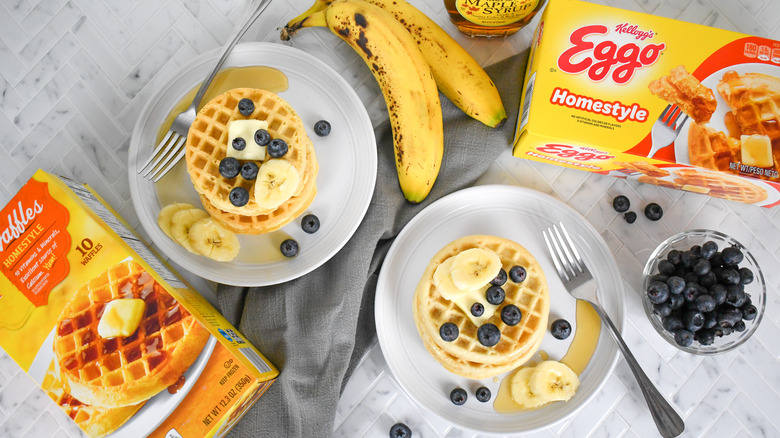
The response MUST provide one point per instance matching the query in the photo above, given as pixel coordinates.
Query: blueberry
(718, 293)
(310, 223)
(277, 148)
(745, 276)
(448, 332)
(691, 291)
(560, 329)
(653, 211)
(477, 309)
(249, 170)
(739, 326)
(676, 301)
(691, 277)
(674, 256)
(400, 430)
(723, 331)
(511, 315)
(621, 203)
(675, 284)
(705, 303)
(696, 251)
(749, 312)
(495, 295)
(657, 292)
(663, 309)
(239, 144)
(693, 320)
(458, 396)
(735, 296)
(684, 338)
(517, 274)
(708, 249)
(710, 320)
(246, 107)
(322, 128)
(262, 137)
(708, 279)
(289, 248)
(229, 167)
(238, 196)
(483, 394)
(729, 276)
(702, 267)
(666, 267)
(488, 335)
(732, 255)
(500, 278)
(630, 217)
(728, 316)
(706, 336)
(660, 277)
(717, 259)
(672, 323)
(687, 259)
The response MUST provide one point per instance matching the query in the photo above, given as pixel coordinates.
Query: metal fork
(664, 132)
(171, 150)
(579, 282)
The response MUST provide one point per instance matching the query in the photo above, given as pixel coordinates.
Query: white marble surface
(75, 73)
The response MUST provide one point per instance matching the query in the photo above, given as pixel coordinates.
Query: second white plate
(518, 214)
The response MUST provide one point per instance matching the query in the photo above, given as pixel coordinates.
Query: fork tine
(160, 147)
(164, 156)
(577, 257)
(679, 126)
(558, 267)
(563, 251)
(164, 172)
(666, 110)
(172, 152)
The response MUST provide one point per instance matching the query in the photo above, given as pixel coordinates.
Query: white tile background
(75, 73)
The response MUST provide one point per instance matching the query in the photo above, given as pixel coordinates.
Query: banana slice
(474, 268)
(553, 381)
(167, 212)
(443, 280)
(521, 389)
(214, 241)
(276, 182)
(181, 222)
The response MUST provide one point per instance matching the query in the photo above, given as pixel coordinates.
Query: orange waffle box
(117, 340)
(655, 100)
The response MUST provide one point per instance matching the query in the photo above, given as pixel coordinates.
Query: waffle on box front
(118, 341)
(652, 99)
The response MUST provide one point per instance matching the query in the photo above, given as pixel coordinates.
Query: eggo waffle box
(661, 101)
(109, 332)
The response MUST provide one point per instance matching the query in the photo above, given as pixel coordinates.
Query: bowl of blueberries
(703, 292)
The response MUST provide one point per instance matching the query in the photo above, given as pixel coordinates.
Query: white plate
(156, 409)
(518, 214)
(345, 183)
(716, 121)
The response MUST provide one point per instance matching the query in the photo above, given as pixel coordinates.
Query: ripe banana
(474, 268)
(167, 212)
(457, 74)
(181, 222)
(407, 84)
(210, 239)
(277, 181)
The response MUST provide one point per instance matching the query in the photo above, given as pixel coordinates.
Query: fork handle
(232, 40)
(666, 418)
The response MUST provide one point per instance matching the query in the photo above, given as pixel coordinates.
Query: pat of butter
(756, 150)
(246, 129)
(121, 317)
(464, 299)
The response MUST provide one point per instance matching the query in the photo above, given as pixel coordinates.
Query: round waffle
(94, 421)
(273, 220)
(720, 185)
(207, 142)
(114, 372)
(466, 356)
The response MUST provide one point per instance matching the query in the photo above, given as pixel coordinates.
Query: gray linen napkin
(316, 328)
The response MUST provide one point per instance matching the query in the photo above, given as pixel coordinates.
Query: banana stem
(297, 23)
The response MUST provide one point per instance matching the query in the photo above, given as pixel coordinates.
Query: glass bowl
(756, 289)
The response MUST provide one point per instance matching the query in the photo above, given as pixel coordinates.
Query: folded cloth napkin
(317, 327)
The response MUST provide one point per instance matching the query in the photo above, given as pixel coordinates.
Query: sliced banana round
(167, 212)
(214, 241)
(277, 180)
(181, 222)
(521, 389)
(554, 381)
(473, 268)
(443, 280)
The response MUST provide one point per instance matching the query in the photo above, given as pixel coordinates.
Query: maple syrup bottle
(492, 19)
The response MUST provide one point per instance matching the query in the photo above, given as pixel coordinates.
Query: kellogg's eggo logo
(607, 58)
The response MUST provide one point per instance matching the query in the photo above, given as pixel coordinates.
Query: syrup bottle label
(495, 13)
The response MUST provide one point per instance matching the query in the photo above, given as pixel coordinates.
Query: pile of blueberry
(621, 204)
(488, 334)
(458, 396)
(699, 294)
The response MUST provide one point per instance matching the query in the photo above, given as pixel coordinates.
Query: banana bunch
(197, 232)
(548, 381)
(409, 56)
